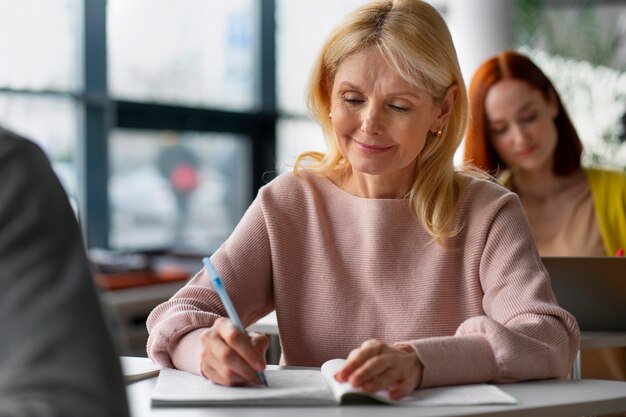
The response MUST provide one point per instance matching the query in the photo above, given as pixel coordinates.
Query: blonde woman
(378, 251)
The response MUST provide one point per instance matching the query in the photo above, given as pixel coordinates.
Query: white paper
(458, 395)
(285, 386)
(308, 387)
(452, 395)
(136, 369)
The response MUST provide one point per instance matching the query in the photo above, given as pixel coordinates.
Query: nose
(372, 123)
(518, 135)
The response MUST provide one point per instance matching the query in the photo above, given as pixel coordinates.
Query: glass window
(55, 129)
(181, 190)
(294, 137)
(301, 28)
(580, 47)
(192, 52)
(39, 44)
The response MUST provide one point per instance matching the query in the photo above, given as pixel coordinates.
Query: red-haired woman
(521, 133)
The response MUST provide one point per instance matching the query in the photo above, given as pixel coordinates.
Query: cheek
(545, 133)
(554, 134)
(343, 123)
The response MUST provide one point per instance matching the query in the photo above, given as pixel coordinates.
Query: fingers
(230, 357)
(260, 344)
(358, 357)
(376, 366)
(401, 389)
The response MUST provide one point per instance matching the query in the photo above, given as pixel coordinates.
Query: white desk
(565, 398)
(267, 325)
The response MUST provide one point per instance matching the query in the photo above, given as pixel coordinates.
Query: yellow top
(609, 198)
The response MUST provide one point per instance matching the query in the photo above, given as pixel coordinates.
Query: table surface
(554, 398)
(267, 325)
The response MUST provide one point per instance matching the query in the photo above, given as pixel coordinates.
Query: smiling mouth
(526, 151)
(370, 149)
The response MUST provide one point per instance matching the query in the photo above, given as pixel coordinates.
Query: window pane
(301, 28)
(194, 52)
(39, 44)
(594, 99)
(294, 137)
(55, 130)
(180, 190)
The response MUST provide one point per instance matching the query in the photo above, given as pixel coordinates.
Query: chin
(368, 171)
(530, 166)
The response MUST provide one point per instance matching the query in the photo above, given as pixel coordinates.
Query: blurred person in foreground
(521, 133)
(378, 251)
(56, 354)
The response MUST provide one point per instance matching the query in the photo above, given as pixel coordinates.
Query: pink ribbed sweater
(339, 269)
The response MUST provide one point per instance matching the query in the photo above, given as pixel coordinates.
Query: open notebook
(136, 369)
(308, 386)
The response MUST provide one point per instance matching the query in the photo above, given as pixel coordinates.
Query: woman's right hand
(230, 357)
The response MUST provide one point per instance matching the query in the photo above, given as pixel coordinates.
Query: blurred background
(163, 118)
(110, 88)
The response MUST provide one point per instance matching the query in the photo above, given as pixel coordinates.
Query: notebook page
(340, 389)
(473, 394)
(285, 386)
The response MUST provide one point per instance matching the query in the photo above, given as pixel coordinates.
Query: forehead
(370, 69)
(511, 95)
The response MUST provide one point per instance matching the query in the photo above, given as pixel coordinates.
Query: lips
(370, 149)
(526, 151)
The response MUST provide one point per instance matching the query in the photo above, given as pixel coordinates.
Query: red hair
(511, 65)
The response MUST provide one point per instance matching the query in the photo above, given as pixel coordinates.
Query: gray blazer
(56, 354)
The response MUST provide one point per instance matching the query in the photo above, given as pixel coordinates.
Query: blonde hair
(415, 39)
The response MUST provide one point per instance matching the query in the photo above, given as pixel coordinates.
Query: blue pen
(228, 305)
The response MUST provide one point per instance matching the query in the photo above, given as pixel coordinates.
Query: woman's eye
(495, 132)
(399, 109)
(351, 101)
(529, 118)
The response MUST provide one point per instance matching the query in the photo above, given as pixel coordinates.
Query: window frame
(101, 113)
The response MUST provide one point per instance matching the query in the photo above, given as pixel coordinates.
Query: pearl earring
(438, 133)
(330, 115)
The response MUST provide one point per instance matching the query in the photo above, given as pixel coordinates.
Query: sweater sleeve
(523, 333)
(244, 264)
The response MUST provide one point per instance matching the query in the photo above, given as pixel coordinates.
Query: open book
(136, 369)
(308, 386)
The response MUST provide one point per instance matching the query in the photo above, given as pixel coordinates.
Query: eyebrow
(396, 93)
(521, 109)
(525, 106)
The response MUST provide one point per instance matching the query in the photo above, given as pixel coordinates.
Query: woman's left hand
(375, 366)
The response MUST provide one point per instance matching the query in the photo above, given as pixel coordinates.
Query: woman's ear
(447, 104)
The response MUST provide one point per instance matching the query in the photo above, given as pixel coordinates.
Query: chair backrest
(593, 289)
